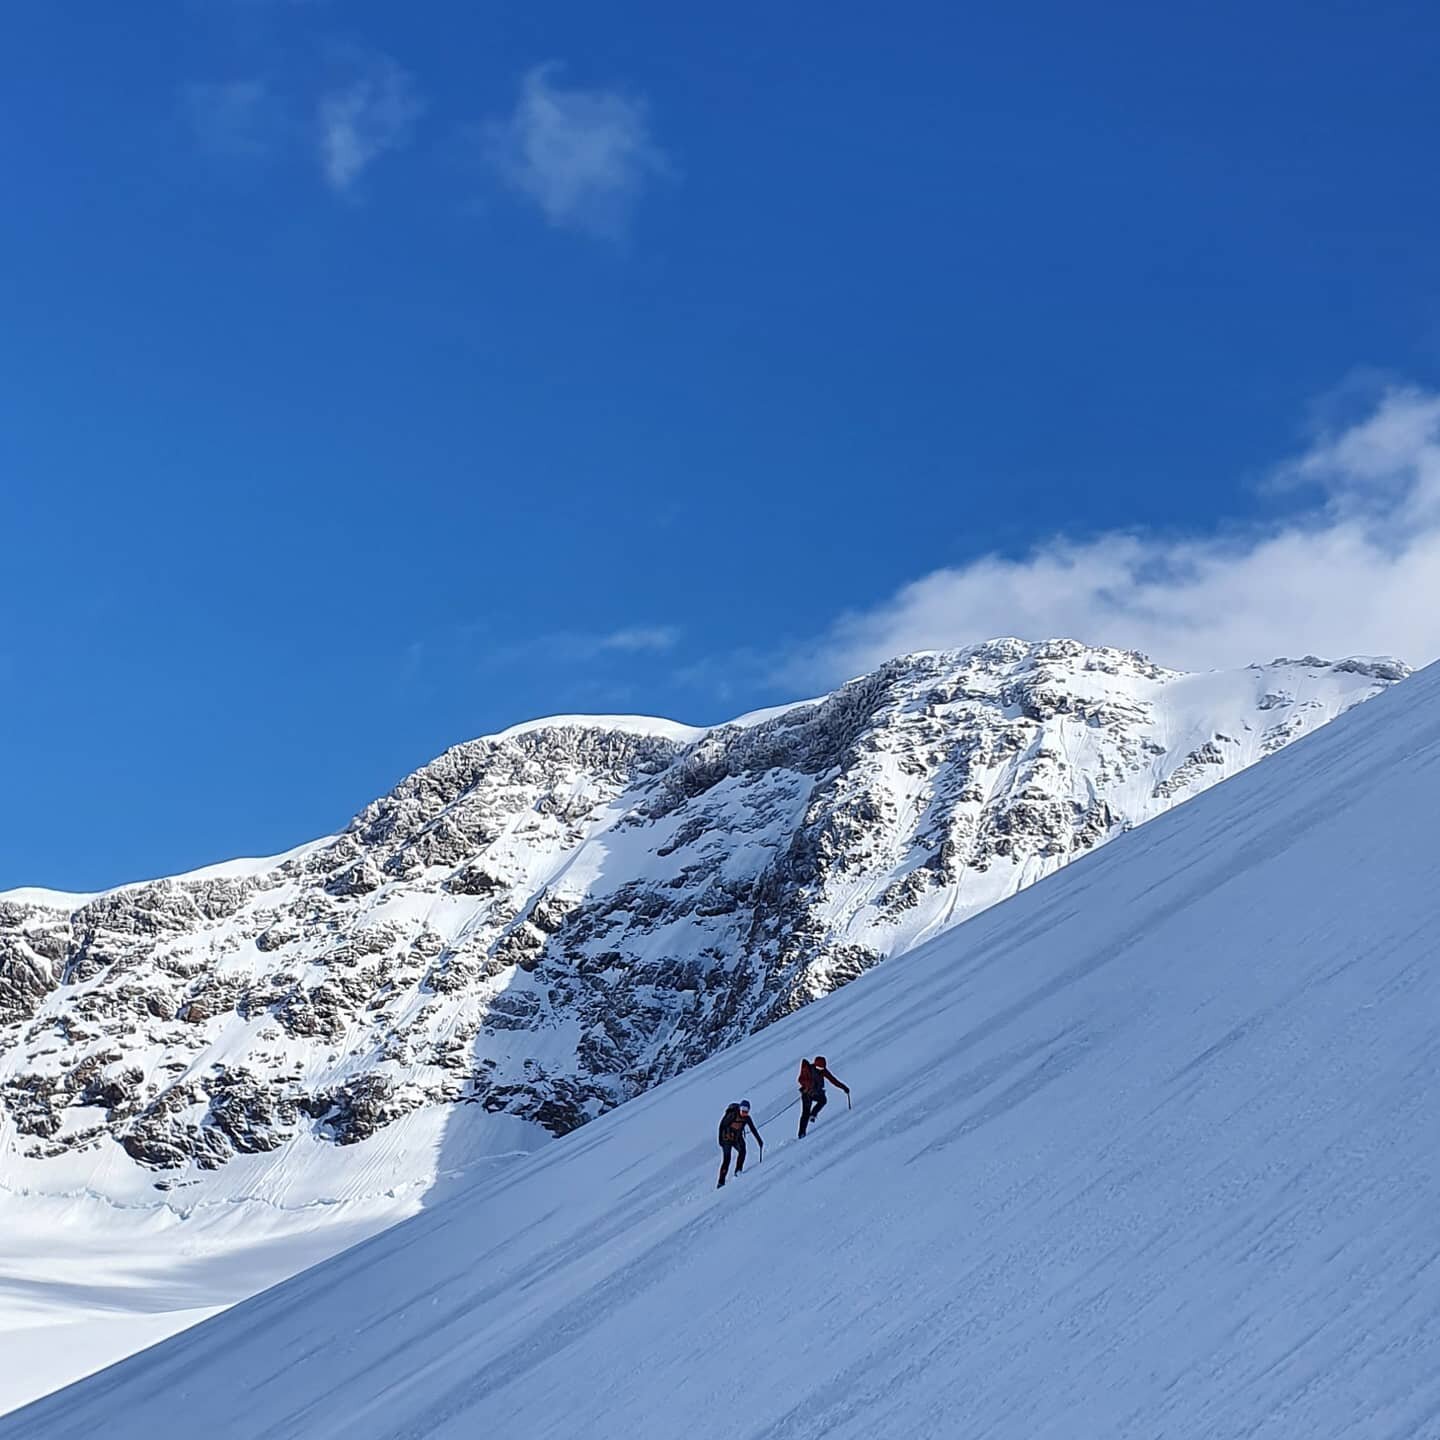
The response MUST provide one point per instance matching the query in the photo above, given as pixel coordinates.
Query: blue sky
(377, 376)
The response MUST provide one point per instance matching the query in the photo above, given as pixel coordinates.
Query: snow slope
(1148, 1150)
(86, 1278)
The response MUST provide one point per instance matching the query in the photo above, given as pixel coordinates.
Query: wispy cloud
(374, 112)
(583, 156)
(241, 119)
(1356, 570)
(654, 638)
(576, 647)
(477, 643)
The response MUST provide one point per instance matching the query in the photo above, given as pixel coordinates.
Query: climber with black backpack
(813, 1076)
(733, 1124)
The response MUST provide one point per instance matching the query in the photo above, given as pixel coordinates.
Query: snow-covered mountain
(549, 921)
(1147, 1150)
(209, 1082)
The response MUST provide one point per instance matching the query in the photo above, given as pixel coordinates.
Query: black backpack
(728, 1124)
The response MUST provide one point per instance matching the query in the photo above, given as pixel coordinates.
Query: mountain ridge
(547, 921)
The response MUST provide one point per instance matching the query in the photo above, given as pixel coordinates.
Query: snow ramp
(1150, 1150)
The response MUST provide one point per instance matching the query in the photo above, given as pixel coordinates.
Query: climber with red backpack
(733, 1124)
(813, 1075)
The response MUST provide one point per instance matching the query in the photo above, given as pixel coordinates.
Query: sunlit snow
(1148, 1150)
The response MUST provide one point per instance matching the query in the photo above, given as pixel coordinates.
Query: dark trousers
(811, 1105)
(726, 1146)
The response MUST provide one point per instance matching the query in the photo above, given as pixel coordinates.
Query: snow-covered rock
(547, 922)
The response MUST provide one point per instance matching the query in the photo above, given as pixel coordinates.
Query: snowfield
(1148, 1150)
(86, 1279)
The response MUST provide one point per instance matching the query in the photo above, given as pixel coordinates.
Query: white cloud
(374, 112)
(1356, 571)
(639, 637)
(579, 646)
(572, 647)
(583, 156)
(235, 118)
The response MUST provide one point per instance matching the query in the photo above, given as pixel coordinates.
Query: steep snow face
(1147, 1150)
(548, 922)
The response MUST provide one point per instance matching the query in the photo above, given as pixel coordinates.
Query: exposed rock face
(621, 898)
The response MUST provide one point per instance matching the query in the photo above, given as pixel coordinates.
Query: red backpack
(807, 1077)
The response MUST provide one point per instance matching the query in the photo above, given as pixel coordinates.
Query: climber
(813, 1076)
(733, 1124)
